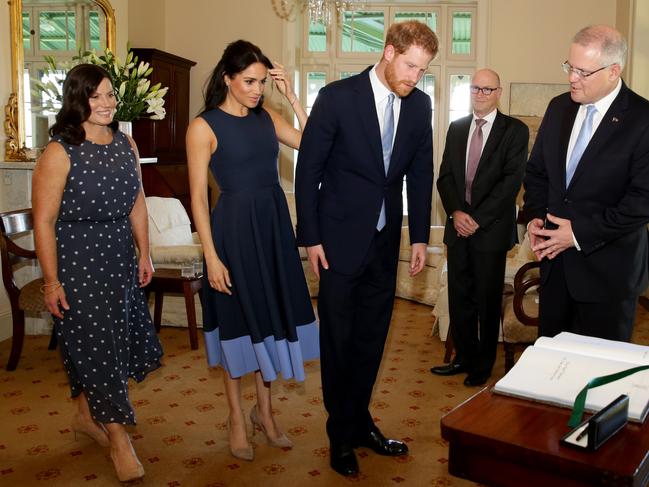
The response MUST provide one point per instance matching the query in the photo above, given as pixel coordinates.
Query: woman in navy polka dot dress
(89, 210)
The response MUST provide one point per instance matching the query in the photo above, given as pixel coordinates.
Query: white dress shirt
(381, 93)
(486, 130)
(602, 107)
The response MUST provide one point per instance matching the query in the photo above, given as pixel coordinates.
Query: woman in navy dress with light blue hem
(257, 313)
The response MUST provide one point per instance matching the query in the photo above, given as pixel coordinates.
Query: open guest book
(554, 370)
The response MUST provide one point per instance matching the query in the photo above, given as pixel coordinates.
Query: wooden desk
(503, 441)
(170, 281)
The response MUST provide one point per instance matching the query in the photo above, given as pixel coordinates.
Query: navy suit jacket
(340, 178)
(495, 186)
(607, 200)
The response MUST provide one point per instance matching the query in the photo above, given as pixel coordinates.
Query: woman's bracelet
(50, 287)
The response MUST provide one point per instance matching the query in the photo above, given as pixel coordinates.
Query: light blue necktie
(582, 142)
(386, 142)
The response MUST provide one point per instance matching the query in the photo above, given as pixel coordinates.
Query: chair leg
(191, 314)
(510, 348)
(53, 340)
(157, 310)
(449, 346)
(17, 339)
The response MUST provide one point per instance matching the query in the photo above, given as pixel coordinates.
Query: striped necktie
(386, 142)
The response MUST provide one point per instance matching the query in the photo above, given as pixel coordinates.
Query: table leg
(157, 310)
(191, 314)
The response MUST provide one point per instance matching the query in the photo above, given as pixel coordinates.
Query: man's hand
(417, 259)
(316, 256)
(464, 224)
(550, 243)
(533, 228)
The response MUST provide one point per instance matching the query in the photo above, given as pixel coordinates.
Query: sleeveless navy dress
(267, 323)
(106, 337)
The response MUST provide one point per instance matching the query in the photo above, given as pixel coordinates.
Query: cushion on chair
(424, 287)
(513, 330)
(168, 222)
(516, 257)
(31, 297)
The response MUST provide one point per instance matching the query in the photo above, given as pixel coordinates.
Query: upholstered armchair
(521, 311)
(171, 240)
(424, 287)
(519, 255)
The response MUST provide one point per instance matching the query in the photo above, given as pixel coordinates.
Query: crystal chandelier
(320, 11)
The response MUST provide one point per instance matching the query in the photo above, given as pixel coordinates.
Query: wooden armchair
(28, 298)
(520, 315)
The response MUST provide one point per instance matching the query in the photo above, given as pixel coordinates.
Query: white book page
(596, 347)
(556, 377)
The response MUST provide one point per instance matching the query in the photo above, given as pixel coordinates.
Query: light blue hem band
(240, 356)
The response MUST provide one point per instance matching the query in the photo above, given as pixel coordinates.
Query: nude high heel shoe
(281, 441)
(127, 473)
(246, 453)
(90, 429)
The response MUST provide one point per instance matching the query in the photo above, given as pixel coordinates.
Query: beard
(400, 87)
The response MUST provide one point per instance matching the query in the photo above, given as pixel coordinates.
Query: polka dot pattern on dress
(107, 336)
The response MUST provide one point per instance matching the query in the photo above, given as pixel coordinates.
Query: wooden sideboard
(165, 139)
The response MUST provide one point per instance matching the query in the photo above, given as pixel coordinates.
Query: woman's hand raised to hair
(283, 82)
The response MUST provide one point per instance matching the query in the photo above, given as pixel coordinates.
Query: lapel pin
(615, 119)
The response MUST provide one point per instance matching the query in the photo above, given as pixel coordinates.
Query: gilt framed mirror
(39, 28)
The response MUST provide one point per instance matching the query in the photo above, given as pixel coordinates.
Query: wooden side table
(171, 281)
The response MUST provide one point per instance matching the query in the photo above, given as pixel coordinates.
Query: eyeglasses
(568, 68)
(486, 91)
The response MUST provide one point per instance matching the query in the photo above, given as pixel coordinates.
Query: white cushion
(168, 222)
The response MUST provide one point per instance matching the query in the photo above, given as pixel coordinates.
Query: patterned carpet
(181, 436)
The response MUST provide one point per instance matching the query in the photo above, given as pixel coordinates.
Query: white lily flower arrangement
(136, 98)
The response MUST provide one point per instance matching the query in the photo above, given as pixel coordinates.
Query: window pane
(427, 85)
(49, 103)
(57, 31)
(27, 35)
(95, 31)
(317, 37)
(460, 103)
(461, 42)
(314, 81)
(347, 74)
(428, 18)
(363, 31)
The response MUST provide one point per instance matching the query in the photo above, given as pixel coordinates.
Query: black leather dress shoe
(475, 380)
(343, 460)
(451, 369)
(382, 445)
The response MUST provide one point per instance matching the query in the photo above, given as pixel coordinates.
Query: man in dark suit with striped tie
(587, 180)
(481, 174)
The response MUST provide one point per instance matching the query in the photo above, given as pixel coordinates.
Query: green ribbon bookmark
(580, 401)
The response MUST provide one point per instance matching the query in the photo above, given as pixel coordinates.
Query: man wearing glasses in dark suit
(481, 174)
(587, 194)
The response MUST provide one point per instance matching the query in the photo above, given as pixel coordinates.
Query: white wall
(528, 40)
